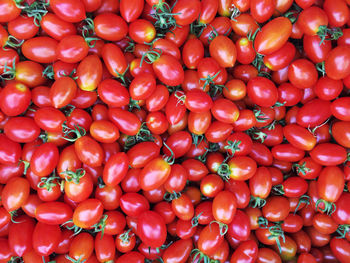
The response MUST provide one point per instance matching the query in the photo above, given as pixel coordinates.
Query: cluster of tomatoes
(188, 131)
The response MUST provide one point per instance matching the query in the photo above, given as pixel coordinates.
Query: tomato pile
(188, 131)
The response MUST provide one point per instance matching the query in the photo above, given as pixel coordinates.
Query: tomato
(247, 251)
(179, 251)
(78, 189)
(88, 213)
(330, 185)
(310, 20)
(111, 27)
(245, 51)
(115, 169)
(182, 207)
(340, 108)
(223, 50)
(20, 235)
(342, 213)
(267, 255)
(243, 24)
(273, 36)
(132, 256)
(9, 11)
(15, 98)
(328, 154)
(151, 229)
(192, 52)
(187, 11)
(114, 60)
(313, 113)
(154, 174)
(337, 63)
(55, 27)
(261, 11)
(240, 190)
(89, 73)
(68, 10)
(276, 208)
(15, 193)
(340, 248)
(40, 49)
(340, 133)
(211, 185)
(242, 168)
(46, 238)
(210, 238)
(104, 247)
(324, 224)
(53, 213)
(82, 247)
(262, 91)
(125, 121)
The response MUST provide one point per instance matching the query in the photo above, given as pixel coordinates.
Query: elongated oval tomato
(223, 50)
(53, 213)
(328, 154)
(88, 213)
(179, 251)
(15, 193)
(186, 12)
(10, 151)
(154, 174)
(299, 137)
(126, 121)
(262, 91)
(21, 129)
(89, 73)
(62, 92)
(40, 49)
(114, 60)
(142, 153)
(110, 27)
(168, 70)
(115, 169)
(151, 229)
(20, 235)
(46, 238)
(313, 113)
(273, 35)
(134, 204)
(224, 207)
(9, 11)
(113, 93)
(55, 27)
(44, 159)
(69, 10)
(330, 183)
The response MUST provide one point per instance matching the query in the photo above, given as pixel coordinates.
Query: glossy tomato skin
(313, 113)
(247, 251)
(133, 204)
(126, 122)
(328, 154)
(337, 64)
(168, 70)
(262, 91)
(92, 207)
(154, 174)
(9, 12)
(44, 159)
(20, 235)
(15, 98)
(115, 169)
(55, 27)
(273, 36)
(151, 229)
(340, 108)
(15, 193)
(188, 12)
(111, 27)
(21, 129)
(70, 11)
(40, 49)
(46, 238)
(53, 213)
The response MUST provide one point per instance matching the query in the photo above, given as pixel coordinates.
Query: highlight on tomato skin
(171, 131)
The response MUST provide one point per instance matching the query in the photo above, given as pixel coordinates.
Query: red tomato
(151, 229)
(88, 213)
(40, 49)
(262, 91)
(273, 35)
(46, 238)
(53, 213)
(69, 10)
